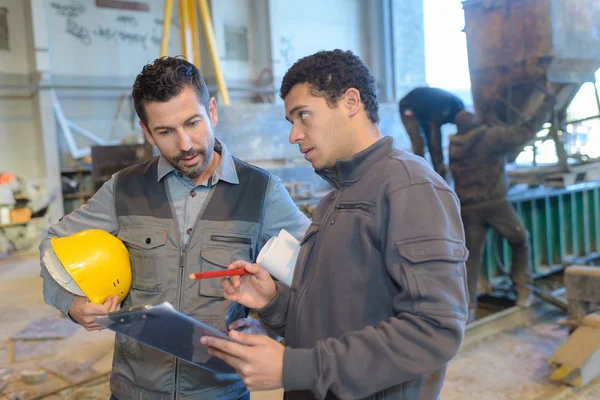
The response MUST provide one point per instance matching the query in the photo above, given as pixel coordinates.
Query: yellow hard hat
(96, 264)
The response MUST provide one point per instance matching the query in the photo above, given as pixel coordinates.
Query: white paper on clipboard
(164, 328)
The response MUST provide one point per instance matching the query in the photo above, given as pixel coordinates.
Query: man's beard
(192, 171)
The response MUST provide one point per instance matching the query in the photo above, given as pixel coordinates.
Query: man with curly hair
(194, 208)
(378, 303)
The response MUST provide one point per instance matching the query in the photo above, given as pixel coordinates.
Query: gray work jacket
(378, 303)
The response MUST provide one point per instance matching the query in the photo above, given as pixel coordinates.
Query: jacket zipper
(314, 256)
(355, 206)
(182, 262)
(351, 206)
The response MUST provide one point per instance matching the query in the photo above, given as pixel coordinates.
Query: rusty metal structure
(520, 49)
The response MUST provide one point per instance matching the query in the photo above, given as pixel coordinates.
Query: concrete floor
(21, 301)
(506, 365)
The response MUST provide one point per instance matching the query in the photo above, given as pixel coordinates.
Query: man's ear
(212, 109)
(352, 101)
(147, 133)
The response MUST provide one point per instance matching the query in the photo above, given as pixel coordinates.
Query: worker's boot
(525, 296)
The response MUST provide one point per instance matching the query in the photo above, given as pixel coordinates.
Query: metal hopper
(519, 48)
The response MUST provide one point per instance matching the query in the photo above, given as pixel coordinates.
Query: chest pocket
(359, 206)
(221, 250)
(146, 248)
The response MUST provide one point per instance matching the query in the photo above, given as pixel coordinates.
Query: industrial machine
(520, 49)
(519, 52)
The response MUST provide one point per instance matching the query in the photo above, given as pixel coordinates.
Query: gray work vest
(228, 229)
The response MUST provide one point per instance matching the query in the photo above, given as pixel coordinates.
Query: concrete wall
(88, 41)
(277, 36)
(19, 144)
(240, 15)
(304, 27)
(15, 60)
(408, 45)
(93, 55)
(18, 139)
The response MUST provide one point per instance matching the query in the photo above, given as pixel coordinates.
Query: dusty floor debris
(505, 366)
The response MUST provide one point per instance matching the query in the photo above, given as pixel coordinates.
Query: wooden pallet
(552, 176)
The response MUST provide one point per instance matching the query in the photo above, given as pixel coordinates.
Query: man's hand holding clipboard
(257, 359)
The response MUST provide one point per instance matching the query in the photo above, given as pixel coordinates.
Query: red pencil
(218, 274)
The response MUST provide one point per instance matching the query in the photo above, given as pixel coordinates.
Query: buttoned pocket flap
(436, 276)
(220, 257)
(145, 246)
(214, 259)
(143, 238)
(425, 250)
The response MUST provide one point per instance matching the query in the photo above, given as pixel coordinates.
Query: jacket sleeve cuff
(300, 369)
(275, 311)
(54, 294)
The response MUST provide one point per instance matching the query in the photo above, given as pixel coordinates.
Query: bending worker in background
(423, 112)
(194, 208)
(378, 303)
(478, 165)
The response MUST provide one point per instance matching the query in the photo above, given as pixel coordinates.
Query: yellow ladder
(188, 26)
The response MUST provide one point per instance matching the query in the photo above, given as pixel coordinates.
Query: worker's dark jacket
(378, 302)
(478, 162)
(432, 105)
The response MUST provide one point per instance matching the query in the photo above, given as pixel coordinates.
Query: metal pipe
(560, 148)
(184, 30)
(582, 120)
(191, 10)
(166, 29)
(551, 298)
(597, 96)
(212, 47)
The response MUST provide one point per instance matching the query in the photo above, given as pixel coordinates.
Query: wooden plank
(69, 370)
(592, 320)
(552, 176)
(31, 349)
(47, 328)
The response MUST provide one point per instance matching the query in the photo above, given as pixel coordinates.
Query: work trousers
(422, 133)
(504, 219)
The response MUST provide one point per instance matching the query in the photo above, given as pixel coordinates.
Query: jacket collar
(351, 169)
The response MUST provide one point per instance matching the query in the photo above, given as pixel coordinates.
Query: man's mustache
(189, 154)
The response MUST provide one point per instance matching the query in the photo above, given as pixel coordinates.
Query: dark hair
(164, 79)
(330, 74)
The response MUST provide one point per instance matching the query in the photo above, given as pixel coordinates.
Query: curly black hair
(164, 79)
(330, 74)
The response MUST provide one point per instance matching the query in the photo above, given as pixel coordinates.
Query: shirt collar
(225, 169)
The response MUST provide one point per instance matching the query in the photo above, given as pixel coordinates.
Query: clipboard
(164, 328)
